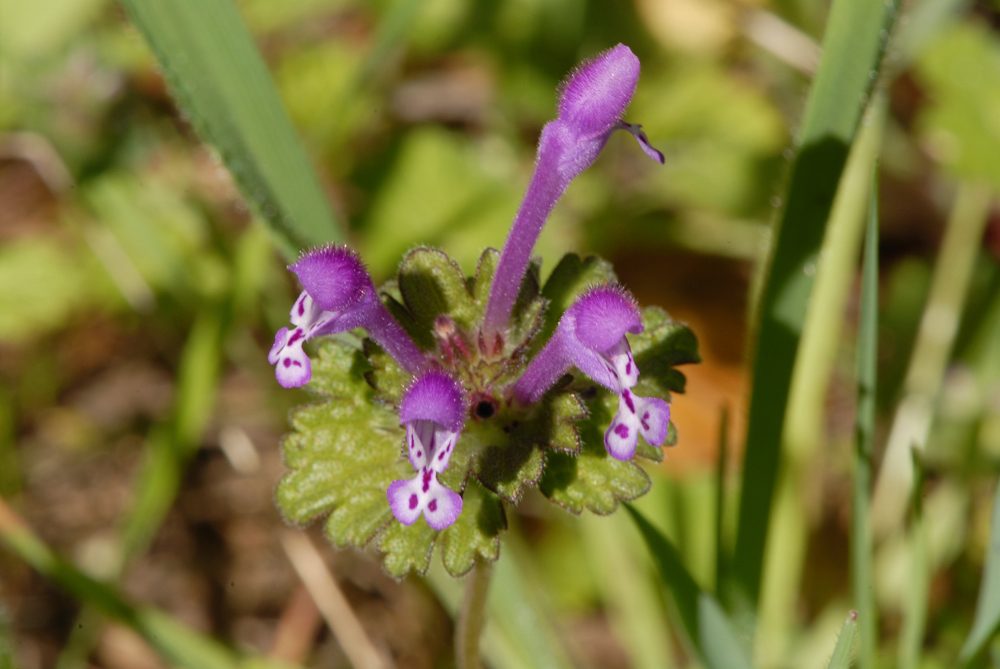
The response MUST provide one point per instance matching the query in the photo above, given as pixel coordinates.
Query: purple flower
(338, 296)
(432, 410)
(590, 108)
(591, 336)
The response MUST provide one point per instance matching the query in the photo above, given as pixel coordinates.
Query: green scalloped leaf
(343, 453)
(407, 547)
(507, 452)
(507, 469)
(593, 479)
(431, 284)
(338, 371)
(662, 345)
(476, 533)
(565, 409)
(570, 278)
(486, 269)
(384, 374)
(526, 316)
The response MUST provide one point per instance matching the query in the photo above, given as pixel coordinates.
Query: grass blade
(805, 424)
(171, 445)
(864, 429)
(721, 565)
(931, 351)
(704, 621)
(517, 608)
(987, 621)
(852, 49)
(178, 644)
(517, 635)
(220, 80)
(634, 609)
(169, 448)
(911, 638)
(845, 643)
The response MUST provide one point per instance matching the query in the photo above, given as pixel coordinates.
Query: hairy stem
(472, 616)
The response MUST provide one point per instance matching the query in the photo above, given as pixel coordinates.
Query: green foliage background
(393, 123)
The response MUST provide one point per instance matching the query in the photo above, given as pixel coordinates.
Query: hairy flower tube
(432, 411)
(338, 296)
(590, 108)
(591, 336)
(450, 359)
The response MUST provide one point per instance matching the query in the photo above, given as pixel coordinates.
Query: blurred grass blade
(930, 354)
(864, 431)
(721, 565)
(704, 621)
(169, 448)
(634, 608)
(515, 605)
(395, 23)
(852, 48)
(516, 636)
(987, 621)
(911, 637)
(171, 445)
(178, 644)
(221, 82)
(845, 643)
(805, 418)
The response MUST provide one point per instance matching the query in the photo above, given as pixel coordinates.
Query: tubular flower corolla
(591, 106)
(591, 336)
(432, 411)
(338, 296)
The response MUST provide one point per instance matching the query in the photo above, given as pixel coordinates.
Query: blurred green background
(139, 295)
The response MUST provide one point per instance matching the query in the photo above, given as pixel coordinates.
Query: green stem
(472, 616)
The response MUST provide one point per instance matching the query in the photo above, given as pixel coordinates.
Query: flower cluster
(448, 385)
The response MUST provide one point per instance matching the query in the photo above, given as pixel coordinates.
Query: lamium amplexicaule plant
(469, 390)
